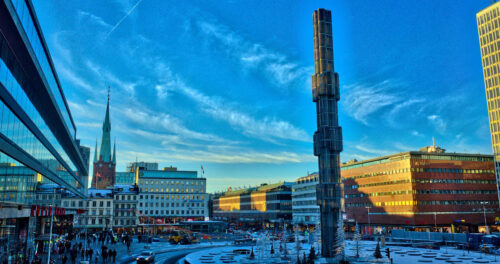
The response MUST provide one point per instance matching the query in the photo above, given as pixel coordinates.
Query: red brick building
(422, 189)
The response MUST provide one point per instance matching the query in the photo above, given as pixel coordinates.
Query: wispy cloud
(438, 122)
(277, 66)
(362, 100)
(268, 129)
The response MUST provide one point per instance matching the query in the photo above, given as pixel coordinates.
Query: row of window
(455, 191)
(406, 203)
(124, 206)
(431, 170)
(172, 204)
(355, 186)
(466, 202)
(132, 213)
(357, 195)
(307, 202)
(100, 221)
(176, 183)
(172, 190)
(454, 181)
(172, 197)
(172, 212)
(306, 210)
(126, 197)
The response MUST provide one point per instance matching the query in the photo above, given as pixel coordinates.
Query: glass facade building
(488, 27)
(37, 134)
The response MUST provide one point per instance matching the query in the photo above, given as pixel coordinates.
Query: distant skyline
(227, 84)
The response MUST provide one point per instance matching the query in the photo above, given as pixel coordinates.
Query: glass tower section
(488, 23)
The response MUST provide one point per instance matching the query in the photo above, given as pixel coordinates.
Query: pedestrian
(110, 254)
(104, 254)
(114, 255)
(64, 259)
(91, 252)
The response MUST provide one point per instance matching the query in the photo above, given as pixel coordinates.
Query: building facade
(100, 209)
(266, 205)
(104, 162)
(125, 202)
(170, 196)
(305, 209)
(37, 133)
(421, 189)
(488, 21)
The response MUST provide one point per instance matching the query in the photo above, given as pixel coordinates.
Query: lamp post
(435, 221)
(369, 225)
(484, 213)
(51, 223)
(87, 201)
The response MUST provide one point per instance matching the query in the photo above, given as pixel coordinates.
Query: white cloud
(268, 129)
(361, 100)
(277, 66)
(438, 123)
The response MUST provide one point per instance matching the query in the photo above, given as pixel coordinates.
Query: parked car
(146, 257)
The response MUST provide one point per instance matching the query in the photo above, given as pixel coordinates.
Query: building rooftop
(418, 155)
(262, 188)
(310, 177)
(167, 174)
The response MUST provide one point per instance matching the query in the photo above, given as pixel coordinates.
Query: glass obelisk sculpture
(328, 137)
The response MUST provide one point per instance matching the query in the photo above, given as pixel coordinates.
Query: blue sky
(227, 84)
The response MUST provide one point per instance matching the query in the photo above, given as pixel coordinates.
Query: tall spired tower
(328, 137)
(104, 163)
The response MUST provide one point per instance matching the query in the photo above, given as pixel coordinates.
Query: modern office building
(37, 132)
(126, 178)
(170, 196)
(488, 27)
(104, 162)
(132, 166)
(328, 137)
(421, 189)
(126, 199)
(265, 205)
(305, 209)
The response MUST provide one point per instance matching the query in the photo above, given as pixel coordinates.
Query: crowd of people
(101, 247)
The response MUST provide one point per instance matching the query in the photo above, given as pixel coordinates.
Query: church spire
(105, 153)
(114, 152)
(95, 151)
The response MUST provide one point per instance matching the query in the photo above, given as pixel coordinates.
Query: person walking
(64, 259)
(110, 254)
(114, 255)
(104, 254)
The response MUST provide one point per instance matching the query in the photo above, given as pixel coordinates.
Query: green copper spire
(105, 153)
(95, 151)
(114, 152)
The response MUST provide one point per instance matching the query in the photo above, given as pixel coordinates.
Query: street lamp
(435, 221)
(51, 222)
(369, 225)
(484, 212)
